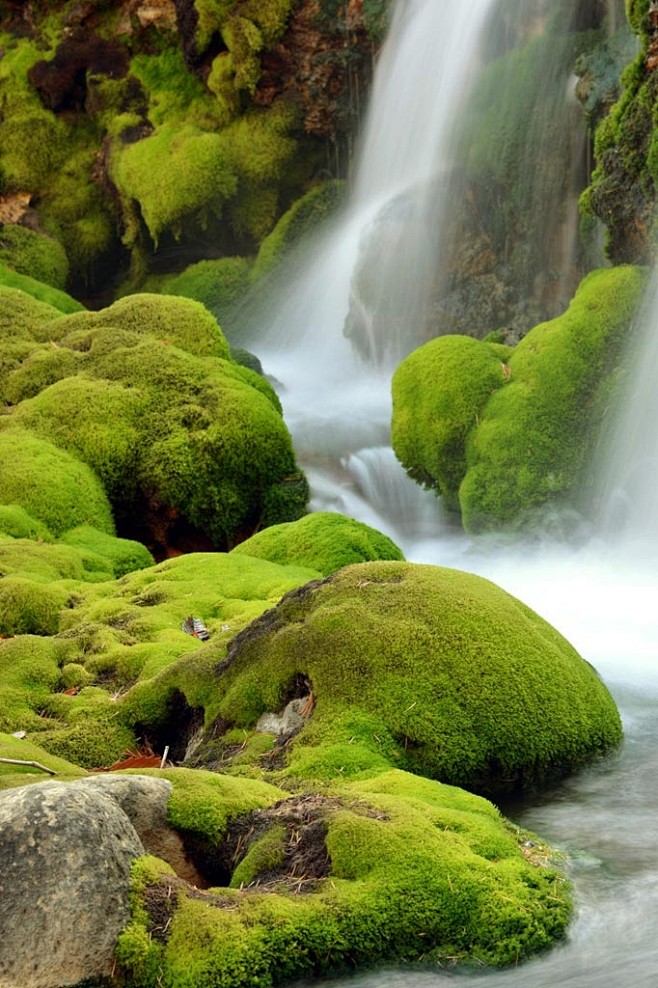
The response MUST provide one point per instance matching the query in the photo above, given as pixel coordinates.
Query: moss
(219, 285)
(474, 687)
(29, 671)
(322, 541)
(124, 555)
(533, 438)
(47, 562)
(33, 254)
(439, 393)
(301, 219)
(51, 485)
(39, 290)
(157, 408)
(24, 316)
(28, 751)
(177, 172)
(27, 607)
(19, 524)
(417, 870)
(264, 855)
(96, 741)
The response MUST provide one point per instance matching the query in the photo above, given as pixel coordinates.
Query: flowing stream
(601, 594)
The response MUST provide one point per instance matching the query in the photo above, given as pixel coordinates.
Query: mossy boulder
(147, 395)
(439, 393)
(323, 541)
(430, 669)
(53, 486)
(503, 432)
(124, 555)
(34, 254)
(393, 870)
(44, 292)
(218, 284)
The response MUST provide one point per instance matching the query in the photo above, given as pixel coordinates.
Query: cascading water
(599, 597)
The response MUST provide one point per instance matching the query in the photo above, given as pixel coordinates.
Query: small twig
(164, 757)
(20, 761)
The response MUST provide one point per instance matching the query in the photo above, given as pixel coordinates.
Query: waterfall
(627, 492)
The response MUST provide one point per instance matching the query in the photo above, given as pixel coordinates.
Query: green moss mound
(451, 676)
(439, 393)
(322, 541)
(147, 395)
(17, 523)
(124, 555)
(51, 485)
(532, 443)
(217, 284)
(19, 749)
(499, 433)
(403, 869)
(34, 254)
(38, 290)
(301, 219)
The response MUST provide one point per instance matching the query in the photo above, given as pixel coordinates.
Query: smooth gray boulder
(65, 856)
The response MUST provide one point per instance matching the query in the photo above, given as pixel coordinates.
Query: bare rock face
(65, 856)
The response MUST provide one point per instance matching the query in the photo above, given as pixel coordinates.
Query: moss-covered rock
(52, 485)
(436, 670)
(323, 541)
(147, 395)
(439, 393)
(17, 523)
(533, 441)
(502, 432)
(34, 254)
(41, 290)
(392, 870)
(124, 555)
(217, 284)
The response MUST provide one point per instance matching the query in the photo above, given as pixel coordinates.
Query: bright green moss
(22, 315)
(301, 219)
(475, 688)
(264, 855)
(217, 284)
(533, 438)
(19, 524)
(48, 562)
(28, 751)
(51, 485)
(43, 366)
(29, 671)
(97, 740)
(34, 254)
(177, 172)
(123, 555)
(39, 290)
(27, 607)
(439, 393)
(416, 870)
(322, 541)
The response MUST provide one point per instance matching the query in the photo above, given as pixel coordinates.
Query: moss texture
(21, 775)
(533, 443)
(51, 485)
(146, 394)
(44, 292)
(439, 394)
(451, 676)
(29, 253)
(416, 870)
(323, 541)
(502, 432)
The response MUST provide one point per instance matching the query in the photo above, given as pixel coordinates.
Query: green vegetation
(460, 681)
(439, 394)
(44, 292)
(504, 432)
(414, 868)
(29, 253)
(145, 393)
(323, 541)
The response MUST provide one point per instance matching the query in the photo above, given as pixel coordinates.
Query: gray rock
(65, 856)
